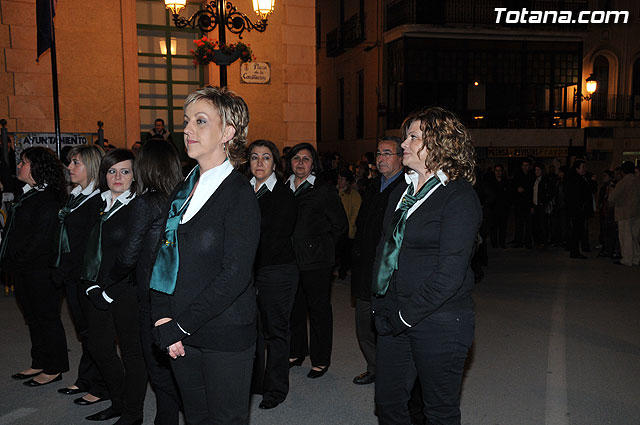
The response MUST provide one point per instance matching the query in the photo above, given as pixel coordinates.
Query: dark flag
(44, 20)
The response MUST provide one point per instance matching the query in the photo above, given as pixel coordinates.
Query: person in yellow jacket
(351, 201)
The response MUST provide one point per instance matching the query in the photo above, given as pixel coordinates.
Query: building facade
(123, 62)
(518, 84)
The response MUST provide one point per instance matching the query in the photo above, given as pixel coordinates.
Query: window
(493, 84)
(165, 69)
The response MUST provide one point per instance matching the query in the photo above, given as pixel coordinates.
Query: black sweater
(31, 237)
(214, 299)
(278, 211)
(320, 224)
(78, 223)
(138, 250)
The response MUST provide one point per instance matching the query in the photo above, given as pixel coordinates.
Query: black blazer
(31, 238)
(214, 299)
(369, 229)
(278, 218)
(320, 223)
(434, 272)
(78, 224)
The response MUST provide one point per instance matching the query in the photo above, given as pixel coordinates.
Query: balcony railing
(479, 12)
(614, 107)
(349, 34)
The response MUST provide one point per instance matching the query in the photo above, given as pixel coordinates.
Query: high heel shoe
(296, 362)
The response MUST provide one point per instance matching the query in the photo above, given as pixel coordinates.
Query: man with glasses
(369, 229)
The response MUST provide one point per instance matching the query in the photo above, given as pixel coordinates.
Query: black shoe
(578, 256)
(268, 404)
(296, 362)
(81, 401)
(126, 421)
(32, 383)
(71, 391)
(364, 378)
(105, 415)
(313, 374)
(618, 263)
(20, 376)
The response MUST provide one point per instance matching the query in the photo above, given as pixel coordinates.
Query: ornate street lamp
(222, 14)
(592, 86)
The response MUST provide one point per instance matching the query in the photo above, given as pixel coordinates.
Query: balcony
(603, 107)
(349, 34)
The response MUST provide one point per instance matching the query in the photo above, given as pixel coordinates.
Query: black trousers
(541, 233)
(498, 226)
(89, 377)
(160, 375)
(313, 297)
(41, 303)
(215, 385)
(366, 333)
(276, 293)
(576, 234)
(126, 379)
(524, 228)
(435, 350)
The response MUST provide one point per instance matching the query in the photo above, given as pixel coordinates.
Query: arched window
(600, 100)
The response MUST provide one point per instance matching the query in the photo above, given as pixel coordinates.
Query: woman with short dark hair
(320, 223)
(276, 273)
(157, 171)
(111, 307)
(422, 280)
(26, 253)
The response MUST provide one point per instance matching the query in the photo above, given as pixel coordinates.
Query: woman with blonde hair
(422, 279)
(75, 222)
(203, 300)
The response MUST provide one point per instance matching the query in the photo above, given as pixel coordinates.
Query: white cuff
(107, 297)
(90, 288)
(183, 331)
(403, 321)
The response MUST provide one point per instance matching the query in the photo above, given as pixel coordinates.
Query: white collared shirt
(124, 199)
(270, 182)
(89, 191)
(27, 187)
(412, 178)
(208, 183)
(291, 181)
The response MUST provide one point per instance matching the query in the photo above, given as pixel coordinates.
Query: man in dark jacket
(523, 203)
(497, 205)
(369, 229)
(579, 205)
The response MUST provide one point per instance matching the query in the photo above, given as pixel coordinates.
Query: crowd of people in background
(194, 268)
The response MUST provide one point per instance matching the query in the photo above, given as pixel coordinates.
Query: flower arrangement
(209, 50)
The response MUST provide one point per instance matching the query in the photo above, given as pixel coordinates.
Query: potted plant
(209, 50)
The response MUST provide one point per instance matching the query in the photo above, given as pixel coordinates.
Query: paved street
(557, 343)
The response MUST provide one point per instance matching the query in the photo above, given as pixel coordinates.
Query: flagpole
(54, 78)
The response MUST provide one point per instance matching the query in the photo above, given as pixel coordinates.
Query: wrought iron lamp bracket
(208, 19)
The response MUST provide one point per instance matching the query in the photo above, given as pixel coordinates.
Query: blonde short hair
(233, 111)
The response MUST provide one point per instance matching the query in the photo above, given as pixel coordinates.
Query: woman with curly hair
(203, 301)
(422, 280)
(26, 252)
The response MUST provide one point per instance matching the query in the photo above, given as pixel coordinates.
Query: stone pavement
(557, 343)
